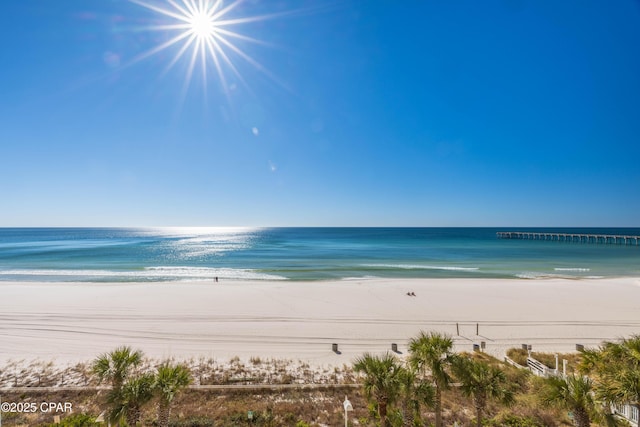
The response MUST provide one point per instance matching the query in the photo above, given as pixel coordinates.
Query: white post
(347, 407)
(556, 363)
(564, 368)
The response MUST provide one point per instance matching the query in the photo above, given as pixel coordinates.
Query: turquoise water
(162, 254)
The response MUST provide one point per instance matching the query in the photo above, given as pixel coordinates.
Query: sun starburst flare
(203, 36)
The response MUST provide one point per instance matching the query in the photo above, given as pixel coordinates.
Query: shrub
(192, 422)
(511, 420)
(76, 420)
(518, 355)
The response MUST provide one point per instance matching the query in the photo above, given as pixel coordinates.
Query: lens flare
(203, 34)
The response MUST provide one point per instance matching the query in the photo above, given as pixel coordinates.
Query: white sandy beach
(77, 321)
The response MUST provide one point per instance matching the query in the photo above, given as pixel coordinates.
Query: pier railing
(568, 237)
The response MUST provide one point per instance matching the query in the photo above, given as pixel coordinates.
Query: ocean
(202, 254)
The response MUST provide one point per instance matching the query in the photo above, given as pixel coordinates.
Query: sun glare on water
(202, 34)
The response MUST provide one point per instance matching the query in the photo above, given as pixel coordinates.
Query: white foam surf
(161, 273)
(421, 267)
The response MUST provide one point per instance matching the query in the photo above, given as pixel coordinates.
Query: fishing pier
(613, 239)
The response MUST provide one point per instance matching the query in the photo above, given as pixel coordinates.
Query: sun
(202, 25)
(202, 34)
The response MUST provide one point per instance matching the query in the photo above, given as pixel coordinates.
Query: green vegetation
(428, 385)
(518, 355)
(615, 369)
(169, 381)
(481, 382)
(573, 394)
(132, 390)
(127, 402)
(431, 354)
(501, 395)
(413, 395)
(77, 420)
(382, 379)
(510, 420)
(193, 422)
(128, 392)
(116, 366)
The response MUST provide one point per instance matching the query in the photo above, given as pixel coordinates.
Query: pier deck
(568, 237)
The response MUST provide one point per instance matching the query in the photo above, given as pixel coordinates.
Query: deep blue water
(160, 254)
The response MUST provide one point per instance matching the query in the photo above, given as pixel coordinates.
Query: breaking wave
(161, 273)
(421, 267)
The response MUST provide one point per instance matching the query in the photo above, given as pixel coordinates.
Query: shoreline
(300, 320)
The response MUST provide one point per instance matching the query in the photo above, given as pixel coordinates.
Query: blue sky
(372, 113)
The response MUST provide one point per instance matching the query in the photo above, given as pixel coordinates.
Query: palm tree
(481, 382)
(624, 375)
(116, 365)
(431, 352)
(127, 401)
(616, 370)
(381, 381)
(413, 394)
(573, 393)
(591, 361)
(169, 381)
(628, 350)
